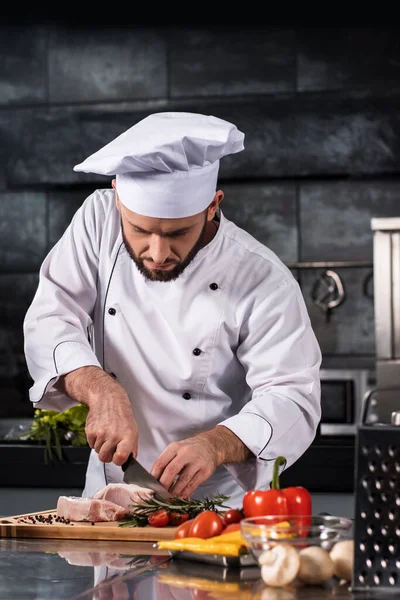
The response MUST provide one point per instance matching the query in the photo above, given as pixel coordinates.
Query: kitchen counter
(99, 570)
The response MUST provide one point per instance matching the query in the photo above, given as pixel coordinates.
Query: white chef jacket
(229, 342)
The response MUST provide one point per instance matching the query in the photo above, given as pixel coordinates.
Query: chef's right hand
(111, 428)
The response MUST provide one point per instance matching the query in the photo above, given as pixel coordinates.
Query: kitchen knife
(135, 473)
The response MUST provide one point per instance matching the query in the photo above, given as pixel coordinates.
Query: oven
(342, 393)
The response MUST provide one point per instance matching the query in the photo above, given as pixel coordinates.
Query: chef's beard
(172, 274)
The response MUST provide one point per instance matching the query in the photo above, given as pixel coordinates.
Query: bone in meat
(126, 495)
(89, 509)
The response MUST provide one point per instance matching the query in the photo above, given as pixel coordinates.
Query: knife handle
(126, 463)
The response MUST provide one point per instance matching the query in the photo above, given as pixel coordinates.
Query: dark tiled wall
(320, 110)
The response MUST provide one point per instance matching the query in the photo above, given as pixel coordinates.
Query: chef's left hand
(184, 465)
(193, 459)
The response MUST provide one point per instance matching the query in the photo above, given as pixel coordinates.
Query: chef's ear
(219, 196)
(117, 200)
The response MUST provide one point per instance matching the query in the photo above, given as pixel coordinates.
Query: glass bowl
(298, 548)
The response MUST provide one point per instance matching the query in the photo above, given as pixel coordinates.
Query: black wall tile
(103, 64)
(350, 329)
(23, 65)
(55, 141)
(338, 58)
(14, 126)
(16, 294)
(307, 135)
(268, 212)
(62, 207)
(314, 135)
(234, 62)
(23, 231)
(335, 218)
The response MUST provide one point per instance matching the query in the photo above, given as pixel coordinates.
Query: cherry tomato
(207, 524)
(176, 518)
(183, 530)
(230, 528)
(160, 518)
(233, 515)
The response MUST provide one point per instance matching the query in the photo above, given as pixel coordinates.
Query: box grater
(377, 502)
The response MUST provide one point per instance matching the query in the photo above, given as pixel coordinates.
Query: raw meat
(127, 495)
(114, 502)
(75, 508)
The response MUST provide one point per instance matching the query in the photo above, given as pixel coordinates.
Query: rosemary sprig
(191, 507)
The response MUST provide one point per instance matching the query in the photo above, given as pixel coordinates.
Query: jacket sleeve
(57, 323)
(281, 358)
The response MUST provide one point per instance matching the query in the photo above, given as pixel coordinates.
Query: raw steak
(89, 509)
(127, 495)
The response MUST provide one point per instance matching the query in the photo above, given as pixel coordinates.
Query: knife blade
(134, 472)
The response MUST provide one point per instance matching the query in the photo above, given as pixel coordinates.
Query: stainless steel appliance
(377, 505)
(386, 247)
(342, 393)
(377, 474)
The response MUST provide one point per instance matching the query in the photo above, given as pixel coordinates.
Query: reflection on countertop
(101, 570)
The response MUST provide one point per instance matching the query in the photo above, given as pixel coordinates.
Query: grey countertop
(60, 569)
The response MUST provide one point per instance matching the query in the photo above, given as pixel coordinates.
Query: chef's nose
(159, 249)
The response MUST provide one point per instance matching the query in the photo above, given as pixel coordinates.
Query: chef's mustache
(164, 264)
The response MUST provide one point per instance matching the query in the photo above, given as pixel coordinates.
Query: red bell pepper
(292, 503)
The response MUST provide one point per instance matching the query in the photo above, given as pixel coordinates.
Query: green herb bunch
(58, 428)
(191, 507)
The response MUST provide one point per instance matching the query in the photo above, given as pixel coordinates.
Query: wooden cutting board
(43, 525)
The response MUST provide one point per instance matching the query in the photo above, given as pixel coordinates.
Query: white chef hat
(167, 165)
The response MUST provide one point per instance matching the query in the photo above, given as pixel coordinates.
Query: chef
(188, 339)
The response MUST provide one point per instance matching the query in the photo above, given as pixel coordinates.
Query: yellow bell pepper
(234, 537)
(202, 546)
(281, 535)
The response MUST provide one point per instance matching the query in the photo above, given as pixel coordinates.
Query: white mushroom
(316, 566)
(279, 565)
(342, 555)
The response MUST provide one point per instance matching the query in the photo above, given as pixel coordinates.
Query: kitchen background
(320, 111)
